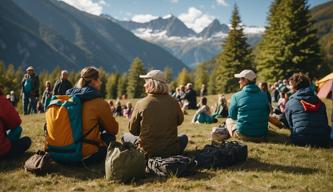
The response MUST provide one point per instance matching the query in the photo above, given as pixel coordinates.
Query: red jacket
(9, 119)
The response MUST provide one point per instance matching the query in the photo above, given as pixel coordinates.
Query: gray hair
(156, 87)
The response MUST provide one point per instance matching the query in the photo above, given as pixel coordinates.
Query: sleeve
(233, 109)
(106, 120)
(288, 115)
(180, 115)
(9, 115)
(134, 124)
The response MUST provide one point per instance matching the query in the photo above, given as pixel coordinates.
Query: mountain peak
(213, 28)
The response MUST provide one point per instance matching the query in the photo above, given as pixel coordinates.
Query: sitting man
(306, 114)
(249, 110)
(11, 142)
(154, 121)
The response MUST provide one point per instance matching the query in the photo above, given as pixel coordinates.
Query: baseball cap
(247, 74)
(155, 75)
(30, 68)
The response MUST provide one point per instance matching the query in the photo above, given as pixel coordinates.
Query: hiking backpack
(64, 135)
(175, 165)
(221, 155)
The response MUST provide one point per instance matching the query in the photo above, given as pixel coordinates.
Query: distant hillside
(322, 16)
(49, 33)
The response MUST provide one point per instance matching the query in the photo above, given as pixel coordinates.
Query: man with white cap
(62, 84)
(30, 91)
(154, 121)
(249, 110)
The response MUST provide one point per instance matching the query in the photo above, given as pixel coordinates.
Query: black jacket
(61, 86)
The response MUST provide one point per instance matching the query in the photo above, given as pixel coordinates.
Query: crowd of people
(154, 120)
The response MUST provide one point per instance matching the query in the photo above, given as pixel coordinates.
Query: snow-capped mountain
(184, 43)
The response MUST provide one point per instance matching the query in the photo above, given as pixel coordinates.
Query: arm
(134, 124)
(106, 120)
(180, 115)
(56, 87)
(8, 115)
(288, 114)
(233, 109)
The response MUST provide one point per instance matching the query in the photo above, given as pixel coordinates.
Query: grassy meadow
(275, 165)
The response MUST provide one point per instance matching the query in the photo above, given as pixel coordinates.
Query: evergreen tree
(236, 56)
(103, 79)
(135, 87)
(289, 44)
(168, 74)
(211, 88)
(200, 77)
(183, 77)
(111, 86)
(121, 86)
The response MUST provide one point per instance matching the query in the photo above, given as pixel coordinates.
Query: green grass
(275, 165)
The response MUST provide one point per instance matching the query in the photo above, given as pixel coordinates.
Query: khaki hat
(155, 75)
(247, 74)
(30, 68)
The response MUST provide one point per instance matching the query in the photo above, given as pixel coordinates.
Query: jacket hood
(305, 94)
(251, 88)
(84, 93)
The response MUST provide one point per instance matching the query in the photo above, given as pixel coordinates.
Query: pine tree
(111, 86)
(183, 77)
(103, 79)
(200, 77)
(211, 88)
(135, 85)
(289, 44)
(121, 86)
(168, 74)
(235, 56)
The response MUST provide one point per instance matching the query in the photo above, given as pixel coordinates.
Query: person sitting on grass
(203, 114)
(306, 114)
(221, 109)
(11, 143)
(279, 111)
(128, 111)
(154, 121)
(96, 114)
(249, 110)
(119, 109)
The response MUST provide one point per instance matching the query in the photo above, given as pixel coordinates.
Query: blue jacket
(308, 121)
(250, 107)
(84, 93)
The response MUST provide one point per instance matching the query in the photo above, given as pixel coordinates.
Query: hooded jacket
(250, 108)
(306, 116)
(95, 110)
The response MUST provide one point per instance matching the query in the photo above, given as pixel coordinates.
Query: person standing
(62, 84)
(47, 95)
(30, 91)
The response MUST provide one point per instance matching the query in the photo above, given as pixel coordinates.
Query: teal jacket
(250, 107)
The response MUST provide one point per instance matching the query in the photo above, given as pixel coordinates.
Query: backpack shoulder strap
(88, 141)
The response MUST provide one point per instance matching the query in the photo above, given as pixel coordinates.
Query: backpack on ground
(175, 165)
(64, 135)
(221, 155)
(38, 163)
(124, 162)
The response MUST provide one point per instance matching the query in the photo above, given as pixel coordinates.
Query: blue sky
(195, 13)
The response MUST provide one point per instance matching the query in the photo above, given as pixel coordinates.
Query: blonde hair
(87, 75)
(156, 87)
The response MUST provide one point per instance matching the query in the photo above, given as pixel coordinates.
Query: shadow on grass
(256, 165)
(277, 138)
(9, 164)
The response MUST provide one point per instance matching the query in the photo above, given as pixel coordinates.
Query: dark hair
(299, 81)
(264, 86)
(1, 89)
(203, 100)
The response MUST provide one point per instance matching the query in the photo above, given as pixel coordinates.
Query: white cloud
(143, 18)
(91, 6)
(222, 2)
(174, 1)
(195, 19)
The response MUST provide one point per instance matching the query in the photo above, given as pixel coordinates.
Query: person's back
(250, 107)
(306, 116)
(161, 116)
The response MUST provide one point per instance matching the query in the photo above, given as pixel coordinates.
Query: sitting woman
(11, 143)
(203, 114)
(98, 125)
(278, 117)
(119, 109)
(221, 109)
(153, 125)
(306, 114)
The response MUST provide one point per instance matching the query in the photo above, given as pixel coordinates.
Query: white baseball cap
(155, 75)
(247, 74)
(30, 68)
